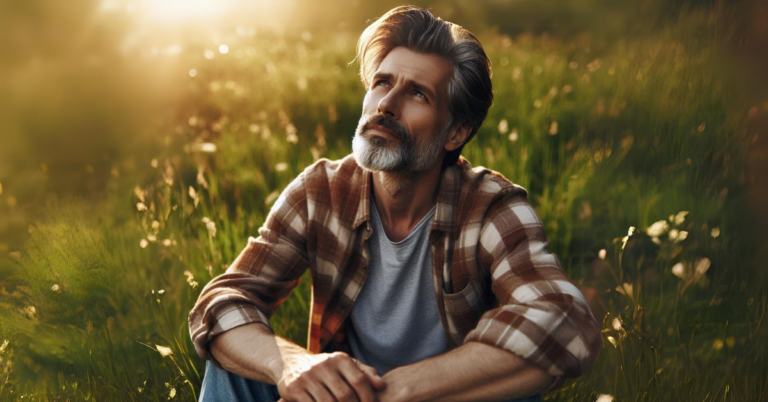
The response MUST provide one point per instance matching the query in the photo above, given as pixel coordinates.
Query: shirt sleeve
(542, 316)
(260, 278)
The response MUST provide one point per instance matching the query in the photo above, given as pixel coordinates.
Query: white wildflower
(143, 243)
(141, 207)
(657, 229)
(604, 398)
(210, 225)
(513, 135)
(503, 126)
(678, 270)
(625, 239)
(193, 195)
(680, 217)
(55, 287)
(673, 234)
(702, 266)
(626, 289)
(715, 233)
(602, 253)
(616, 323)
(553, 128)
(164, 350)
(191, 279)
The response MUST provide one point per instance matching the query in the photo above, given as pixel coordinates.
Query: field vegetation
(633, 149)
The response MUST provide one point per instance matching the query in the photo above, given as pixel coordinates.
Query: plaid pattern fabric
(495, 282)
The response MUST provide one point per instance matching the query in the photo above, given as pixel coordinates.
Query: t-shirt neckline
(379, 226)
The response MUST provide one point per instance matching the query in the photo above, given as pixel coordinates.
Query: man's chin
(376, 157)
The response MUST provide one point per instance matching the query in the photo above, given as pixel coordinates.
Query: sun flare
(181, 9)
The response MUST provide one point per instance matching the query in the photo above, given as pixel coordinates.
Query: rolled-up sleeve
(260, 278)
(542, 316)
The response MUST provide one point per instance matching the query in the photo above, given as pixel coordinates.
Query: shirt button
(344, 305)
(365, 266)
(368, 228)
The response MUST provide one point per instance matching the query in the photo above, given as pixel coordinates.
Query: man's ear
(458, 136)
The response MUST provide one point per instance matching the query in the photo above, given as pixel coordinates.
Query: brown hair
(469, 90)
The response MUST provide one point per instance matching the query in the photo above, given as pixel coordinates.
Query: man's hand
(327, 377)
(253, 351)
(471, 372)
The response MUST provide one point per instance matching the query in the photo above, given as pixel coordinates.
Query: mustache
(388, 123)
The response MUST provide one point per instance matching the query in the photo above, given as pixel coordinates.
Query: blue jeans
(221, 385)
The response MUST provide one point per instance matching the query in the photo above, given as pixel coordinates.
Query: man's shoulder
(480, 181)
(334, 188)
(326, 171)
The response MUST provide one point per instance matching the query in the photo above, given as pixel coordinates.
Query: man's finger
(359, 380)
(372, 374)
(341, 390)
(301, 397)
(320, 393)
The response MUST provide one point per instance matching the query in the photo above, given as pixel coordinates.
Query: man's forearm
(253, 351)
(472, 372)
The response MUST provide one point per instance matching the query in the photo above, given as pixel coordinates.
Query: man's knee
(221, 385)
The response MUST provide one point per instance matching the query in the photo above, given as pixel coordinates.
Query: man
(431, 280)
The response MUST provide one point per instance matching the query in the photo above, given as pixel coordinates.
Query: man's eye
(418, 93)
(378, 83)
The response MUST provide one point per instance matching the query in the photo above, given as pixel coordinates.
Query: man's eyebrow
(421, 87)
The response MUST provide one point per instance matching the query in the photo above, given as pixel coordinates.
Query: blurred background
(143, 141)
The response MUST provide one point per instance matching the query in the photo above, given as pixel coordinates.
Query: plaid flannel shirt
(494, 280)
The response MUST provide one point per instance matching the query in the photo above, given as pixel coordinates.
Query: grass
(606, 136)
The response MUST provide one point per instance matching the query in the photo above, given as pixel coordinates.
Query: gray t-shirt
(395, 319)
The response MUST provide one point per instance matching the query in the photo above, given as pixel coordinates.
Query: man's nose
(389, 105)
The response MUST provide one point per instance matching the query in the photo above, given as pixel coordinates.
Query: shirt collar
(447, 198)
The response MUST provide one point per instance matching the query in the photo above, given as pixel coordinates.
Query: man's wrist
(400, 386)
(289, 355)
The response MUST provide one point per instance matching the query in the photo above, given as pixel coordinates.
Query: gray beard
(375, 153)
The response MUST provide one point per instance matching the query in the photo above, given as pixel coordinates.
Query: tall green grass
(605, 136)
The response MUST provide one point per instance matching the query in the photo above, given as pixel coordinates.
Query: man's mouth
(384, 130)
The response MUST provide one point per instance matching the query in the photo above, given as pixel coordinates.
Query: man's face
(405, 113)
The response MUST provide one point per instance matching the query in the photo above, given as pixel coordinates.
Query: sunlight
(182, 9)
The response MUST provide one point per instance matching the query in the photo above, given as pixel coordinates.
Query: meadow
(633, 151)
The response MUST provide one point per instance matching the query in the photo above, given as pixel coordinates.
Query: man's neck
(402, 200)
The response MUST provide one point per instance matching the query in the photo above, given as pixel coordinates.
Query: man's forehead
(425, 69)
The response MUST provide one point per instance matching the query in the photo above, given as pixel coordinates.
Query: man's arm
(541, 331)
(542, 316)
(472, 372)
(261, 277)
(253, 351)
